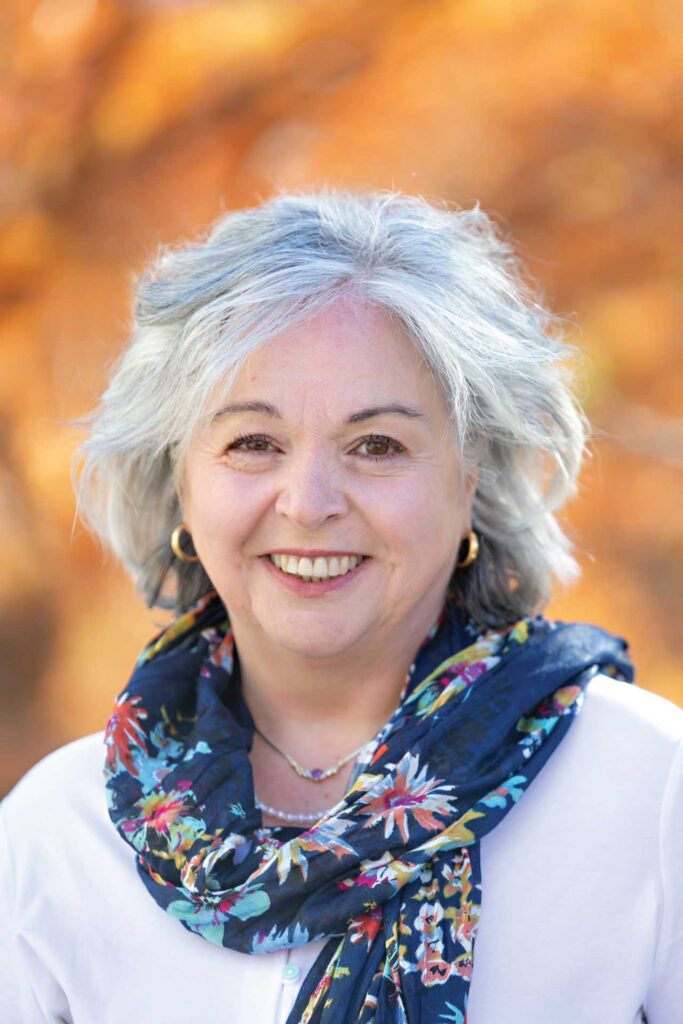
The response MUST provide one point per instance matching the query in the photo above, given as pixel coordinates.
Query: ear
(470, 480)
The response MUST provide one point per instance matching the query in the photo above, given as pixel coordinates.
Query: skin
(305, 480)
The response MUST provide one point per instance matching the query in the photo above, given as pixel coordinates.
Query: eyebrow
(232, 408)
(395, 408)
(382, 410)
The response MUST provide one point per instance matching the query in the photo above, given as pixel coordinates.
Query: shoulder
(62, 764)
(56, 836)
(621, 760)
(610, 794)
(621, 712)
(625, 736)
(67, 782)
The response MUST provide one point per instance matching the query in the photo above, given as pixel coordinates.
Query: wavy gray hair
(453, 283)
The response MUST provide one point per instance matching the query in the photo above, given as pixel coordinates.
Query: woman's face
(333, 443)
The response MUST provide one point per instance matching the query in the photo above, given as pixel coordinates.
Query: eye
(251, 443)
(380, 448)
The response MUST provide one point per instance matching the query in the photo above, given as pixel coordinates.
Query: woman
(335, 446)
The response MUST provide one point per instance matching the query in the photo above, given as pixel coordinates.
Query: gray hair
(447, 276)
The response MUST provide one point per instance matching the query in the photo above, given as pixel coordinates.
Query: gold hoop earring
(472, 551)
(176, 548)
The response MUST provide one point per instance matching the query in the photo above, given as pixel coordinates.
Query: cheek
(222, 512)
(423, 522)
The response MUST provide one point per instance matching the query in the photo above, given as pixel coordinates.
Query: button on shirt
(293, 973)
(582, 896)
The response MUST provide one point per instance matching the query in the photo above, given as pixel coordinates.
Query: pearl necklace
(307, 818)
(313, 775)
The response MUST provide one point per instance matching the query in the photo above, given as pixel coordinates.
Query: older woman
(359, 775)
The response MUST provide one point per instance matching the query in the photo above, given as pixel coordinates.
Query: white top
(582, 908)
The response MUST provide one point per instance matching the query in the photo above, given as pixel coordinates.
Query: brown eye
(380, 448)
(377, 447)
(250, 443)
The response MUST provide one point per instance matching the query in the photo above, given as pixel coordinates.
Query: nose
(311, 491)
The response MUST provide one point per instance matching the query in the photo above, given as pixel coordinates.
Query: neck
(320, 705)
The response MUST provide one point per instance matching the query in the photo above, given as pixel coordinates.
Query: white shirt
(582, 904)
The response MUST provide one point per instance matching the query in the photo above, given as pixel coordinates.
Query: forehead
(349, 351)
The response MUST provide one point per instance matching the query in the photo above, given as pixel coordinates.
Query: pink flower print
(160, 810)
(407, 794)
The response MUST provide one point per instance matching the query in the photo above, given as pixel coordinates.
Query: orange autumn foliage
(127, 124)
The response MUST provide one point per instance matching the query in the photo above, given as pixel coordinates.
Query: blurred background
(129, 123)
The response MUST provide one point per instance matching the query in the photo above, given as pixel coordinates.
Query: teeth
(319, 569)
(316, 568)
(305, 567)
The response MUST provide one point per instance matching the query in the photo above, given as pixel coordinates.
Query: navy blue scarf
(390, 876)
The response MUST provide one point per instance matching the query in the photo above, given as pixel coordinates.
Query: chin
(317, 638)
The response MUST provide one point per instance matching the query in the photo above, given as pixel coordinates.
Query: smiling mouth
(318, 569)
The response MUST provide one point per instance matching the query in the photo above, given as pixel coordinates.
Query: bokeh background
(129, 123)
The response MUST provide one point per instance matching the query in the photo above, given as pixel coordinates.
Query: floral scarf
(391, 876)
